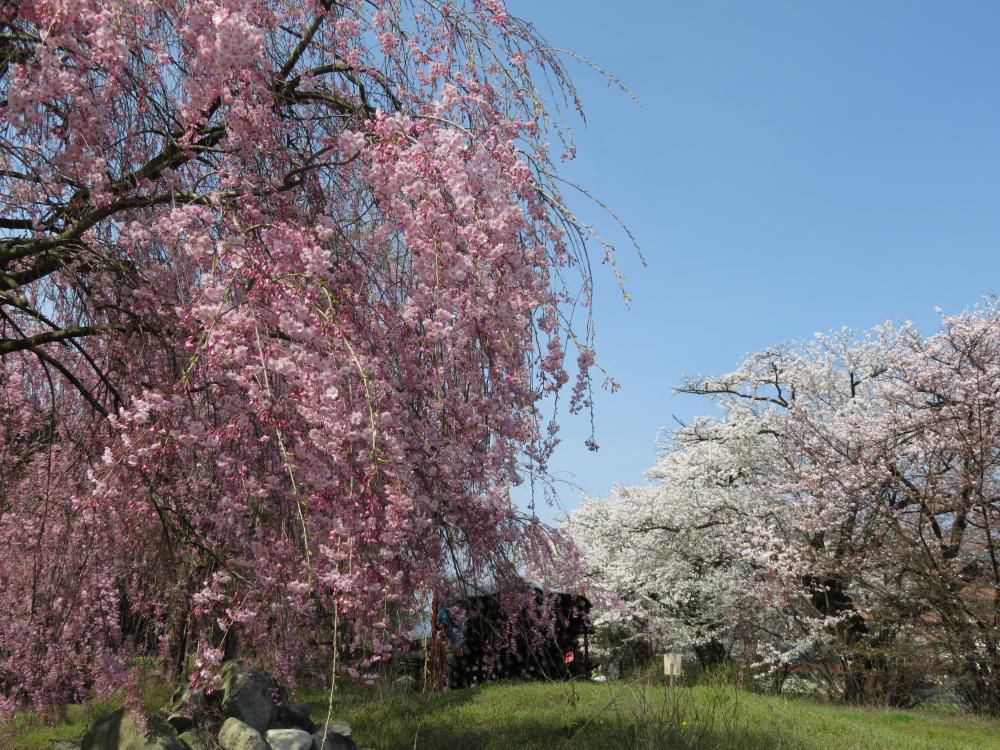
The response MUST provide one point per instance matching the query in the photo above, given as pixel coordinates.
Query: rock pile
(248, 711)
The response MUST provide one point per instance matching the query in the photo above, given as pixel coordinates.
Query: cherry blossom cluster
(282, 304)
(840, 515)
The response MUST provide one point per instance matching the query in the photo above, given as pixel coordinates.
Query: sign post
(671, 666)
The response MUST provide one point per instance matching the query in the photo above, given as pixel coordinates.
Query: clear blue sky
(791, 167)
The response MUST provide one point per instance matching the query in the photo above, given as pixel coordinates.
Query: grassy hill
(585, 716)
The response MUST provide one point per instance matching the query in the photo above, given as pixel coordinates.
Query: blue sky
(791, 167)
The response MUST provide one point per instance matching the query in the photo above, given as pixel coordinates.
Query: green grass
(587, 715)
(28, 731)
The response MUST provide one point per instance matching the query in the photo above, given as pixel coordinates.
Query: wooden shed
(483, 637)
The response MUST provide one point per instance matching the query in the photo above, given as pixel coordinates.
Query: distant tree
(667, 552)
(808, 401)
(933, 469)
(858, 494)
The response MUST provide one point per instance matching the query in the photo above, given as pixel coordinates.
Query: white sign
(671, 665)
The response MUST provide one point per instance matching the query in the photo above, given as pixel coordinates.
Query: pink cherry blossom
(280, 302)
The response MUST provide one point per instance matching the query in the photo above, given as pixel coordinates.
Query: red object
(568, 657)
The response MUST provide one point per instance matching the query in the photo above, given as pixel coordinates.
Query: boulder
(198, 739)
(305, 709)
(248, 694)
(289, 717)
(120, 731)
(181, 722)
(338, 736)
(235, 735)
(289, 739)
(185, 699)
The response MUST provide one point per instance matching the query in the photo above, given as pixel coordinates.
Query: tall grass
(644, 715)
(651, 716)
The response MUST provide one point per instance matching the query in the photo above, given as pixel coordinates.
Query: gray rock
(289, 739)
(235, 735)
(338, 736)
(64, 745)
(119, 731)
(185, 699)
(249, 694)
(287, 717)
(198, 739)
(305, 709)
(181, 722)
(340, 727)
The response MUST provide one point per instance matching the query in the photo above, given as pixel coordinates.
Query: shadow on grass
(535, 716)
(31, 730)
(529, 734)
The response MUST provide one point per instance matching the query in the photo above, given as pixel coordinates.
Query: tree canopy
(840, 515)
(281, 301)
